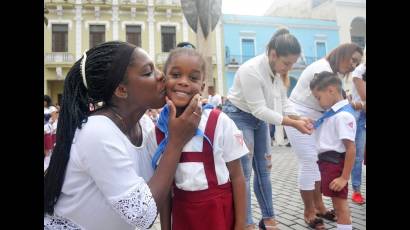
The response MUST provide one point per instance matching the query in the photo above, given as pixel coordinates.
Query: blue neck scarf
(162, 124)
(330, 112)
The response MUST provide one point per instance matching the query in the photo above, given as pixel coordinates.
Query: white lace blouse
(105, 183)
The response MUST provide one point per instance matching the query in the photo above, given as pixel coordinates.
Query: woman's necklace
(134, 137)
(124, 126)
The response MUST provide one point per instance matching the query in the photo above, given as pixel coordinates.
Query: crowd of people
(134, 141)
(50, 128)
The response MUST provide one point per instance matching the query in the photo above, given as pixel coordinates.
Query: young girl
(209, 185)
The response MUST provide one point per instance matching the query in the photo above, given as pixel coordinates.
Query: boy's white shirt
(329, 136)
(228, 145)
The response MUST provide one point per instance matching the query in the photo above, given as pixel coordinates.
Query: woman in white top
(341, 60)
(358, 103)
(100, 174)
(257, 97)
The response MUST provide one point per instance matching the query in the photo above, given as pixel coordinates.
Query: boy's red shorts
(328, 172)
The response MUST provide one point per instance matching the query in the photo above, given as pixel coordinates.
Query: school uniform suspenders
(206, 156)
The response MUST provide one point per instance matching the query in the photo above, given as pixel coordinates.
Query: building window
(359, 40)
(60, 38)
(168, 38)
(97, 35)
(248, 49)
(133, 34)
(320, 50)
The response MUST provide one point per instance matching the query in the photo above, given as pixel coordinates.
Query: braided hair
(75, 109)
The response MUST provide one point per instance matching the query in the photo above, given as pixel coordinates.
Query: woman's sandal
(316, 224)
(329, 215)
(267, 227)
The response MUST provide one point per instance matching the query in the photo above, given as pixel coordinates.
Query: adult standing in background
(358, 103)
(342, 60)
(251, 105)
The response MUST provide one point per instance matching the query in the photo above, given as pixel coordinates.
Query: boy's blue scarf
(162, 124)
(330, 112)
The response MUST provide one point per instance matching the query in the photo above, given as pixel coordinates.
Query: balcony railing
(168, 2)
(57, 57)
(60, 1)
(97, 1)
(132, 2)
(310, 60)
(236, 59)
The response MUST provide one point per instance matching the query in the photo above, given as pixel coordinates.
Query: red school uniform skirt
(48, 141)
(203, 210)
(207, 209)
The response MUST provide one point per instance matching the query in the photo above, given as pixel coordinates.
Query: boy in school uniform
(335, 134)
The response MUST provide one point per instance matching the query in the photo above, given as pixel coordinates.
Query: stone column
(78, 29)
(151, 30)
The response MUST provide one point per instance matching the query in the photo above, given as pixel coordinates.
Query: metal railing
(168, 2)
(130, 2)
(60, 1)
(58, 57)
(237, 59)
(310, 60)
(97, 1)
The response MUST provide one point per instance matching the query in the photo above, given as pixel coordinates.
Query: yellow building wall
(160, 20)
(88, 18)
(139, 17)
(71, 32)
(54, 86)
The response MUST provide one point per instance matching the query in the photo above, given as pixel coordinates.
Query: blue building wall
(262, 28)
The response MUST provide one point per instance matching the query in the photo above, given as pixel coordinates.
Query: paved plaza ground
(287, 202)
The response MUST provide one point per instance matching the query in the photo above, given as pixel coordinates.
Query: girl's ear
(121, 91)
(203, 86)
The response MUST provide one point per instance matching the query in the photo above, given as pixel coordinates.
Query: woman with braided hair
(100, 174)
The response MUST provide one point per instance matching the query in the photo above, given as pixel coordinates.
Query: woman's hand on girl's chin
(183, 128)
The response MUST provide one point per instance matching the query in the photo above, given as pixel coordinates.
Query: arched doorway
(358, 31)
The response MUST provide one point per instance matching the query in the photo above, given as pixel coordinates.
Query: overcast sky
(245, 7)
